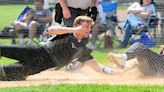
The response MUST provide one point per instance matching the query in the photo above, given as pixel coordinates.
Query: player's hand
(30, 15)
(83, 30)
(66, 13)
(79, 29)
(35, 17)
(162, 51)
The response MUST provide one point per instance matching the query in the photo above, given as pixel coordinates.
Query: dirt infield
(85, 75)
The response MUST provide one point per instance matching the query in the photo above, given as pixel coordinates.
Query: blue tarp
(145, 39)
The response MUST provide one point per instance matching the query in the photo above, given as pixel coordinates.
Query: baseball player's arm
(58, 30)
(93, 64)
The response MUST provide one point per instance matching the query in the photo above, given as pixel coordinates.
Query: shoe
(73, 65)
(107, 70)
(94, 46)
(140, 27)
(118, 59)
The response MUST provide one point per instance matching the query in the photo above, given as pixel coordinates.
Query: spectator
(33, 20)
(73, 8)
(138, 14)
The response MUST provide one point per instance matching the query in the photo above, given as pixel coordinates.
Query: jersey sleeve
(80, 53)
(84, 55)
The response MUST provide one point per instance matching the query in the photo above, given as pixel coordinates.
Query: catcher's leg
(148, 62)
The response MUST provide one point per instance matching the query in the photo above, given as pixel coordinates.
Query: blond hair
(80, 19)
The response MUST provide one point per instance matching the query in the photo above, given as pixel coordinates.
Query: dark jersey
(66, 48)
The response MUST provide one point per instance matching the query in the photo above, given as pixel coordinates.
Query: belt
(79, 9)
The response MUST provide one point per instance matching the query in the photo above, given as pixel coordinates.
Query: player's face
(86, 28)
(38, 5)
(146, 2)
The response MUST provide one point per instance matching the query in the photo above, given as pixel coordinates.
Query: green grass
(5, 41)
(86, 88)
(122, 7)
(9, 13)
